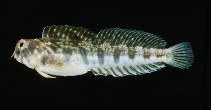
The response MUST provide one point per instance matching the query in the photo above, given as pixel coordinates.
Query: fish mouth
(19, 59)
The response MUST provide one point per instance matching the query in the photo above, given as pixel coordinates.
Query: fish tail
(182, 55)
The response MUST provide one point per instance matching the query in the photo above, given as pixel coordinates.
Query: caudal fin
(182, 55)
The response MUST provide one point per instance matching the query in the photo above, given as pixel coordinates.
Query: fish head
(27, 52)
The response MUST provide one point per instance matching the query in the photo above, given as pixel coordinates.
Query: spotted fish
(69, 51)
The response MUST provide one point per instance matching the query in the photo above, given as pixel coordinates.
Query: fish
(65, 50)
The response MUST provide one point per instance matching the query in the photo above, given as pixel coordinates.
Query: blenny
(69, 51)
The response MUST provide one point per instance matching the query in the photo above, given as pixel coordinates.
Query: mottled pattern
(69, 51)
(131, 52)
(146, 54)
(104, 56)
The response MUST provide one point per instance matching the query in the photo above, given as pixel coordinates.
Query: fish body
(71, 51)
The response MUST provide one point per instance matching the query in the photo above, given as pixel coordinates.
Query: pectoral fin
(45, 74)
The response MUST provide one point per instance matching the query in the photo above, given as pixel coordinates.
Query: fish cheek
(17, 52)
(44, 60)
(25, 53)
(31, 48)
(52, 61)
(48, 60)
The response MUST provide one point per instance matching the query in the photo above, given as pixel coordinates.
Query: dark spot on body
(159, 55)
(146, 54)
(116, 54)
(83, 53)
(44, 60)
(131, 53)
(68, 50)
(53, 47)
(51, 60)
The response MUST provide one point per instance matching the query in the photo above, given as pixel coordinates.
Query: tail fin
(182, 55)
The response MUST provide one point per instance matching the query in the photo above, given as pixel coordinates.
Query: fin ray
(182, 55)
(117, 36)
(67, 32)
(128, 70)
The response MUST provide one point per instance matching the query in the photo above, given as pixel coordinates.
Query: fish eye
(21, 44)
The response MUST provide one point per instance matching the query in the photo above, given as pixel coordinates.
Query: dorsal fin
(67, 32)
(117, 36)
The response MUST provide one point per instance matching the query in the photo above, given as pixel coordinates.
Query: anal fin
(120, 71)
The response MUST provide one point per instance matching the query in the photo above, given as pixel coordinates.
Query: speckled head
(27, 52)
